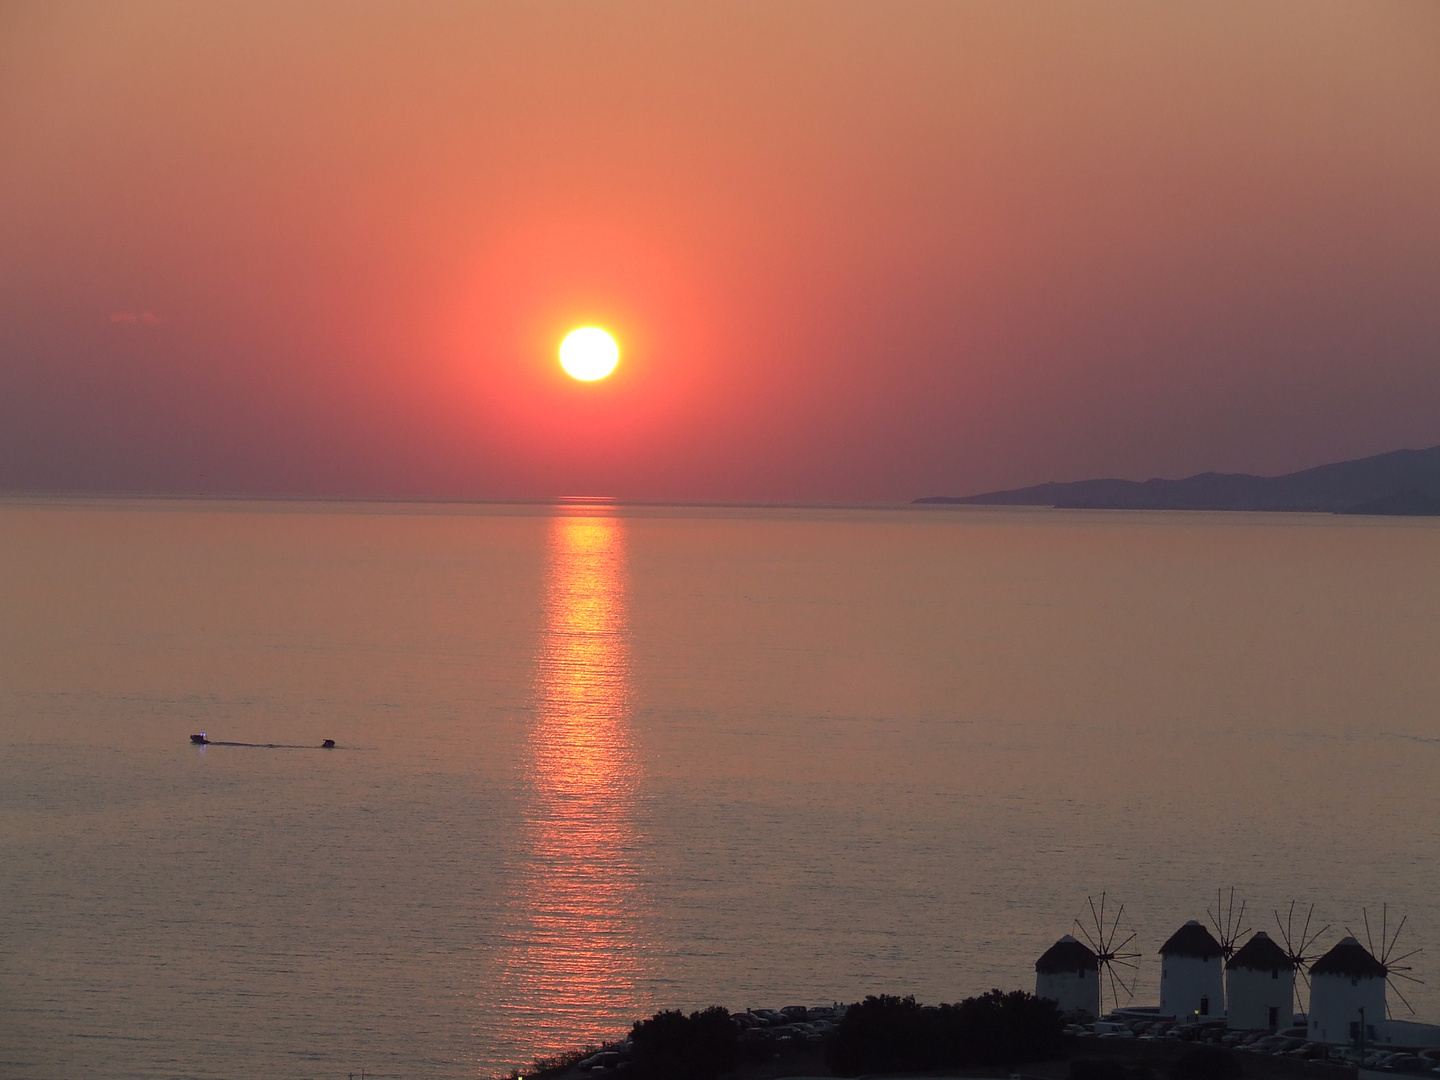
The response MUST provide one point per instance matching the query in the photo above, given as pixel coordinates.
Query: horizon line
(557, 501)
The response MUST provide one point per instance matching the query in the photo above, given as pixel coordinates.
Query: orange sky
(852, 251)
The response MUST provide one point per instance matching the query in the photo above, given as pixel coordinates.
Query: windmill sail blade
(1103, 933)
(1391, 947)
(1297, 935)
(1094, 945)
(1284, 929)
(1099, 917)
(1287, 930)
(1115, 929)
(1303, 1005)
(1226, 920)
(1234, 927)
(1116, 950)
(1129, 987)
(1400, 996)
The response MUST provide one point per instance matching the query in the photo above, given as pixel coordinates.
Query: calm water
(593, 764)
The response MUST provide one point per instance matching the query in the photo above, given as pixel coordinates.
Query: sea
(594, 761)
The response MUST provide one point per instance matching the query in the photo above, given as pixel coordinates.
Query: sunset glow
(912, 249)
(588, 354)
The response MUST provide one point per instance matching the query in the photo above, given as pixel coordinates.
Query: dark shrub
(883, 1034)
(1207, 1063)
(880, 1034)
(1003, 1029)
(673, 1046)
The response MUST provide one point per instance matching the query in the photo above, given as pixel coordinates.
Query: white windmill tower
(1300, 948)
(1068, 973)
(1192, 980)
(1259, 986)
(1108, 942)
(1347, 994)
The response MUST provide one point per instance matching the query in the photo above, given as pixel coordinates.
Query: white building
(1259, 986)
(1347, 990)
(1192, 980)
(1069, 974)
(1407, 1033)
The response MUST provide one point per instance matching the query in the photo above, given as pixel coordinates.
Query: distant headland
(1402, 483)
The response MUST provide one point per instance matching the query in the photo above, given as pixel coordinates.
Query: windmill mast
(1228, 922)
(1299, 943)
(1390, 960)
(1108, 942)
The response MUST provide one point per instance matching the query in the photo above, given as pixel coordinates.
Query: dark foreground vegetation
(673, 1046)
(891, 1034)
(996, 1034)
(880, 1034)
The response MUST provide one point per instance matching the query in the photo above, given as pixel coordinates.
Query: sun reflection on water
(576, 958)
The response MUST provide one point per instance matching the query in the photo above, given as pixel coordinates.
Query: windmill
(1386, 954)
(1108, 943)
(1299, 942)
(1227, 922)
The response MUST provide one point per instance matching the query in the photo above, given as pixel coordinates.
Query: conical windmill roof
(1350, 958)
(1260, 954)
(1067, 954)
(1192, 940)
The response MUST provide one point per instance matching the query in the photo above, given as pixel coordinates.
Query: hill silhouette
(1400, 483)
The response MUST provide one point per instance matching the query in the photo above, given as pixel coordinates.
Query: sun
(589, 353)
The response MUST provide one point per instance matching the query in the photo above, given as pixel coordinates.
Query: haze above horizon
(851, 253)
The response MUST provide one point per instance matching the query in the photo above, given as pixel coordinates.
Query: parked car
(1266, 1045)
(1403, 1063)
(606, 1059)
